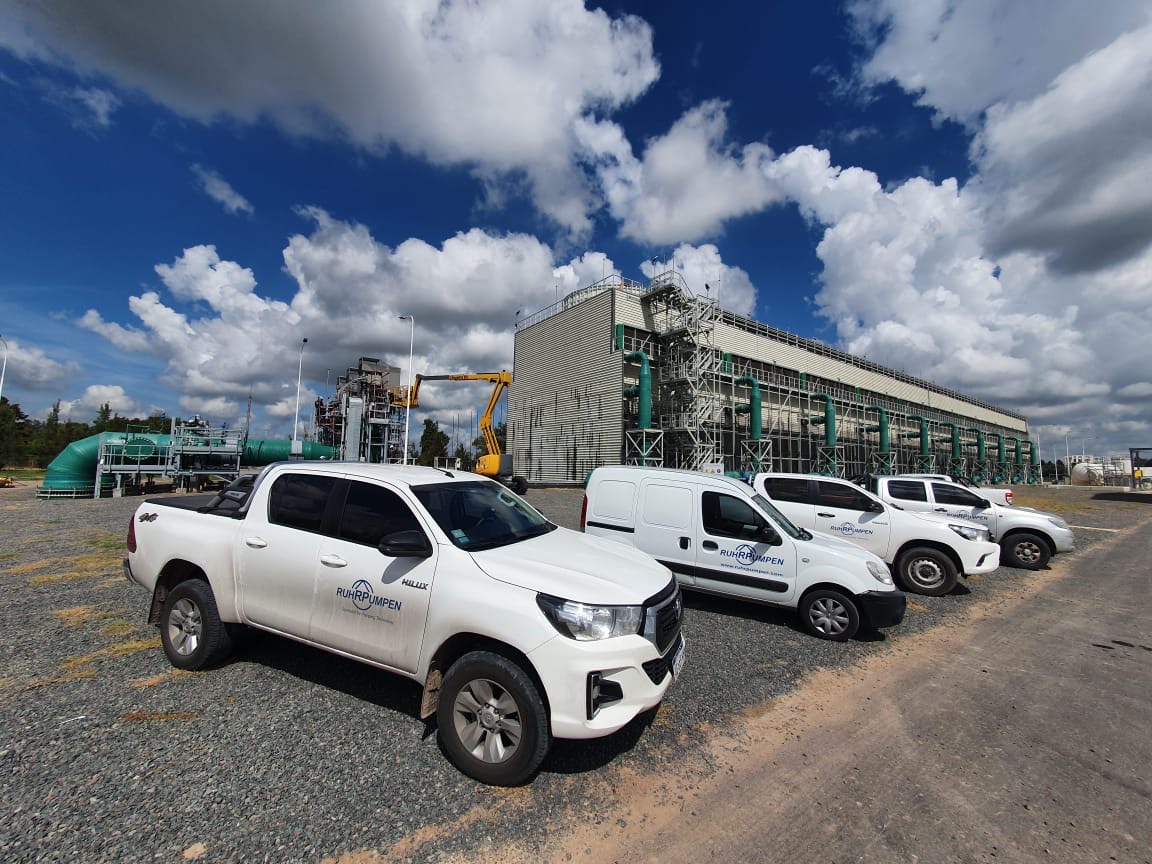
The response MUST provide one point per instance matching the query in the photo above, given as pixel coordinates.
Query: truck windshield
(481, 515)
(780, 519)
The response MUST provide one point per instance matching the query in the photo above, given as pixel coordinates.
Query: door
(794, 497)
(666, 526)
(367, 603)
(959, 503)
(845, 510)
(734, 558)
(276, 559)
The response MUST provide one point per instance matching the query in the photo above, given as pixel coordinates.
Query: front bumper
(627, 662)
(979, 557)
(1062, 539)
(881, 609)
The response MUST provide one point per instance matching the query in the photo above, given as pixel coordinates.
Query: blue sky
(958, 189)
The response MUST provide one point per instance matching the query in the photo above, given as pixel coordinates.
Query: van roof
(680, 473)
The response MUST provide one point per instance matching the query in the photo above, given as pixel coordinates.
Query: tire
(923, 570)
(492, 722)
(1026, 551)
(830, 615)
(190, 627)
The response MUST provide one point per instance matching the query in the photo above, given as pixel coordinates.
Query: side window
(946, 494)
(728, 516)
(788, 489)
(299, 500)
(372, 512)
(841, 495)
(907, 490)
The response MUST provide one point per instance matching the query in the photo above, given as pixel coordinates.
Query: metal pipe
(753, 408)
(643, 390)
(881, 427)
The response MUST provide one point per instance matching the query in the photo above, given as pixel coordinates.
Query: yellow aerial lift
(495, 463)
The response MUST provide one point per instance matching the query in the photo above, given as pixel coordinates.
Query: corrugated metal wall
(566, 411)
(564, 406)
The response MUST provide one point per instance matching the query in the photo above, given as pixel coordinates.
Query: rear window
(299, 500)
(907, 490)
(788, 489)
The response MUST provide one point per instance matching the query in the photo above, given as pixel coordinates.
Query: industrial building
(652, 374)
(364, 420)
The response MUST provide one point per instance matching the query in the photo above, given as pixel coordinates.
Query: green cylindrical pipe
(881, 427)
(925, 444)
(74, 468)
(979, 442)
(753, 408)
(829, 419)
(644, 391)
(1015, 450)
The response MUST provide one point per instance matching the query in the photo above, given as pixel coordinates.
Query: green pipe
(753, 407)
(925, 446)
(829, 419)
(979, 443)
(954, 438)
(643, 390)
(999, 447)
(881, 427)
(74, 468)
(1015, 450)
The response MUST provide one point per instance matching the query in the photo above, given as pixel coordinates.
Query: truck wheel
(492, 721)
(924, 570)
(1026, 551)
(190, 627)
(830, 615)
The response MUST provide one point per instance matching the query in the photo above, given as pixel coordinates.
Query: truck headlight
(970, 532)
(879, 572)
(1058, 522)
(587, 623)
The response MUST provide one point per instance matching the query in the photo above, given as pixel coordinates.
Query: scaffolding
(364, 420)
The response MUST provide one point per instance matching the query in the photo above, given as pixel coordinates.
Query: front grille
(658, 669)
(663, 615)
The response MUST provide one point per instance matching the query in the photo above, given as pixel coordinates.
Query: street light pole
(3, 368)
(411, 319)
(296, 448)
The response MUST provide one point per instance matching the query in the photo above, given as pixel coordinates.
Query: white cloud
(87, 407)
(705, 274)
(221, 191)
(28, 366)
(89, 108)
(688, 182)
(494, 87)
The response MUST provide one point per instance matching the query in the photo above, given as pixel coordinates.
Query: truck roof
(411, 475)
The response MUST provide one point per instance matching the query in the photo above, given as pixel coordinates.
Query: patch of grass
(155, 680)
(148, 716)
(916, 607)
(34, 566)
(6, 682)
(74, 616)
(119, 627)
(120, 649)
(81, 567)
(109, 542)
(75, 675)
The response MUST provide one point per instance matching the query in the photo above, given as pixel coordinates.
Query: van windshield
(481, 515)
(780, 519)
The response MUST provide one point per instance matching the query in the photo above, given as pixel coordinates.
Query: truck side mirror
(984, 504)
(875, 507)
(767, 534)
(405, 544)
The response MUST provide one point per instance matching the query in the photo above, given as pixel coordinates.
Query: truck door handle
(685, 542)
(827, 515)
(940, 509)
(333, 561)
(708, 544)
(255, 542)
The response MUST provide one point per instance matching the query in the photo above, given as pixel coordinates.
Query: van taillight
(583, 512)
(132, 534)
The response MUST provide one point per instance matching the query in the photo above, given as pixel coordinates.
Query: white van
(718, 536)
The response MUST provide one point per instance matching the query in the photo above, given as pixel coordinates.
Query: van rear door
(740, 554)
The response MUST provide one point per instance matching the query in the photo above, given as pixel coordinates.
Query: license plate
(678, 660)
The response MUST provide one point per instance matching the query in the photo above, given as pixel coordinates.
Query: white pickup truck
(519, 630)
(1028, 538)
(926, 553)
(993, 494)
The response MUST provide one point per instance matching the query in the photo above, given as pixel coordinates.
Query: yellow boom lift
(495, 463)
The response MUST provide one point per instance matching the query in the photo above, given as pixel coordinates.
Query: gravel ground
(291, 754)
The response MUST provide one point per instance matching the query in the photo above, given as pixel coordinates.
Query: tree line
(29, 443)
